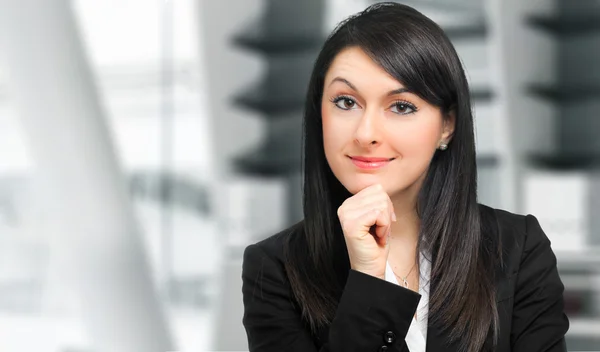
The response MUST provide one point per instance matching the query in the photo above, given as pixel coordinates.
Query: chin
(356, 184)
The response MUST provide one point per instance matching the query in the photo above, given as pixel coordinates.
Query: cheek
(420, 138)
(334, 134)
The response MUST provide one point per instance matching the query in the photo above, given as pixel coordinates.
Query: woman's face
(374, 130)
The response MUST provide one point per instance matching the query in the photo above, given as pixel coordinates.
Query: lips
(370, 159)
(370, 163)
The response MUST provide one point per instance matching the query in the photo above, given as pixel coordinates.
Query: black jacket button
(389, 337)
(383, 349)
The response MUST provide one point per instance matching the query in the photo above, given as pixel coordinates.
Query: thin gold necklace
(404, 279)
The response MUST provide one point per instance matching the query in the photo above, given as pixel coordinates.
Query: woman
(394, 252)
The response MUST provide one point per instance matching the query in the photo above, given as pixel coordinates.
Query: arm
(368, 309)
(539, 322)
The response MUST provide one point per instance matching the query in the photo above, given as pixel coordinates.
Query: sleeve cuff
(377, 306)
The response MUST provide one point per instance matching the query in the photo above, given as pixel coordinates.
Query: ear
(448, 125)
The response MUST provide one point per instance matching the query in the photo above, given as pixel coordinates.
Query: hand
(366, 220)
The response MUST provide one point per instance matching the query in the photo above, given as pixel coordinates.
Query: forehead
(354, 65)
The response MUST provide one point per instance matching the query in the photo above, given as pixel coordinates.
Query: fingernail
(394, 217)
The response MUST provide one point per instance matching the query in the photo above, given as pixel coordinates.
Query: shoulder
(505, 220)
(510, 227)
(271, 248)
(516, 234)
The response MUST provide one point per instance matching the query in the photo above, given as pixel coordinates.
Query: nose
(369, 130)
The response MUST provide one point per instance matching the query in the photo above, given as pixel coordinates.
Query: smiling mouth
(370, 163)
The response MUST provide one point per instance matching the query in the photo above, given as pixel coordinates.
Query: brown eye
(402, 108)
(345, 103)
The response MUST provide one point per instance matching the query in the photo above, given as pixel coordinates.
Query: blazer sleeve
(539, 322)
(369, 312)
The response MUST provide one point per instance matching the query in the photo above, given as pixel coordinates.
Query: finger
(373, 222)
(382, 225)
(371, 198)
(359, 201)
(374, 194)
(384, 201)
(382, 197)
(367, 220)
(362, 208)
(372, 189)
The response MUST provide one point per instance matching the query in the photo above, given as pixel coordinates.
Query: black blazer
(529, 300)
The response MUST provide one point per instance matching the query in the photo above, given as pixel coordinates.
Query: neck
(406, 228)
(403, 241)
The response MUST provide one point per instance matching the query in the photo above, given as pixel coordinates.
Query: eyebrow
(390, 93)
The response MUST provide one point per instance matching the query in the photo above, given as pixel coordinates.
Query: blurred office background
(144, 144)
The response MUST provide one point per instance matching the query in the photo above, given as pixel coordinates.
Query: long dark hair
(415, 51)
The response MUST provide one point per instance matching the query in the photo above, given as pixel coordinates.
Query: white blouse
(417, 332)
